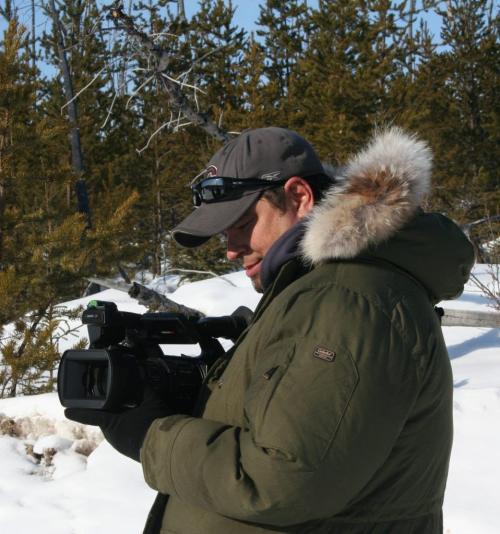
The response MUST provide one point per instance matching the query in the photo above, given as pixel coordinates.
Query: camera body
(125, 362)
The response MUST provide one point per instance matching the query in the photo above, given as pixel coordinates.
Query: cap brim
(211, 219)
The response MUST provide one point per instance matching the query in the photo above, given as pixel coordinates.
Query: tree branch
(467, 227)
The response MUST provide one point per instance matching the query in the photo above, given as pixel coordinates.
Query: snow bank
(58, 476)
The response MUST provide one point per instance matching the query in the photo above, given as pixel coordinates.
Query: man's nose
(235, 249)
(232, 255)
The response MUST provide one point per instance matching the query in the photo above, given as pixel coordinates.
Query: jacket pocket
(296, 410)
(271, 368)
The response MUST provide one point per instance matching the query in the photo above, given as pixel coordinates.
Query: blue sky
(247, 12)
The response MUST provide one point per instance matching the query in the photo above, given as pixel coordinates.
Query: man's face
(249, 239)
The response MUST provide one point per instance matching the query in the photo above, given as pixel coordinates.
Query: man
(332, 413)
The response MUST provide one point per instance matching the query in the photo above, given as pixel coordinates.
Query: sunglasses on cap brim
(220, 188)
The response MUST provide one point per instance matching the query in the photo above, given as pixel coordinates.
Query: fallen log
(483, 319)
(157, 302)
(153, 300)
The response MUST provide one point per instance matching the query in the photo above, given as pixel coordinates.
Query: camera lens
(95, 380)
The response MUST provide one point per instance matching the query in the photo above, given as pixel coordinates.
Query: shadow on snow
(489, 339)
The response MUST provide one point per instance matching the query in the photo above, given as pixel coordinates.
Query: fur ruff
(380, 190)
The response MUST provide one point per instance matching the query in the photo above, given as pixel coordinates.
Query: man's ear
(299, 195)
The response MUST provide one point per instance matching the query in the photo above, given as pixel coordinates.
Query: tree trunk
(22, 347)
(33, 38)
(181, 13)
(4, 146)
(76, 147)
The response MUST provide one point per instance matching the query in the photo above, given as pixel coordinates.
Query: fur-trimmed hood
(373, 214)
(379, 191)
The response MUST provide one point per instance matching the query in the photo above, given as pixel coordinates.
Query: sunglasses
(220, 188)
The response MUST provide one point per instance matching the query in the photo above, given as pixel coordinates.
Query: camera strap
(155, 516)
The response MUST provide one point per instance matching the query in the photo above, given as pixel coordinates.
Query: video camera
(125, 359)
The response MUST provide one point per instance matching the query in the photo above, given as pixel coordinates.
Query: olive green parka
(333, 412)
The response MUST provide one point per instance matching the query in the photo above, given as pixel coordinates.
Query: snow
(60, 477)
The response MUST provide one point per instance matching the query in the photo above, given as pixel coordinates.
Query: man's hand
(126, 430)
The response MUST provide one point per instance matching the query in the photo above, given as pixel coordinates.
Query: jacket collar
(290, 271)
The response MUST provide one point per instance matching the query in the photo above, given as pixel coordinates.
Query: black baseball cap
(266, 158)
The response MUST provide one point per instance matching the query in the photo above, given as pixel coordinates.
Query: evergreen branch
(28, 334)
(37, 318)
(200, 59)
(163, 34)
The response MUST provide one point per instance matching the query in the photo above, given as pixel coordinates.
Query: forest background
(96, 155)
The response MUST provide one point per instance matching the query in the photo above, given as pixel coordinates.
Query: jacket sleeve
(323, 414)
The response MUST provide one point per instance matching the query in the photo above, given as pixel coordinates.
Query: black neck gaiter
(284, 249)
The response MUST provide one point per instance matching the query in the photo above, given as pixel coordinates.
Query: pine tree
(217, 52)
(108, 134)
(472, 70)
(46, 248)
(284, 30)
(454, 106)
(34, 249)
(252, 84)
(343, 82)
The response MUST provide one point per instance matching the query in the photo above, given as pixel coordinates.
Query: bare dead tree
(411, 32)
(181, 95)
(159, 60)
